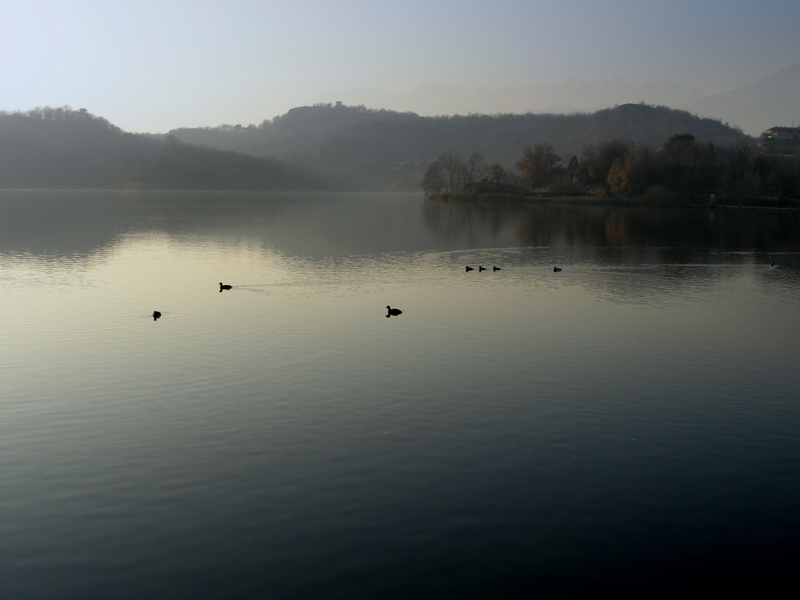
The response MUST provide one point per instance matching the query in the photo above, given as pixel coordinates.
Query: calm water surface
(626, 425)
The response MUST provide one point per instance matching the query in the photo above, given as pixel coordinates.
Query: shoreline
(508, 199)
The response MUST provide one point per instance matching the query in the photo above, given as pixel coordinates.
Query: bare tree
(498, 175)
(433, 182)
(538, 164)
(474, 169)
(451, 165)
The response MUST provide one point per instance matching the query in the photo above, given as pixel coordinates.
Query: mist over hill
(64, 148)
(313, 147)
(381, 149)
(770, 101)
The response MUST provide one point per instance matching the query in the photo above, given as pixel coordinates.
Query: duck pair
(222, 286)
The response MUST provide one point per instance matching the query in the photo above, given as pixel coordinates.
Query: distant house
(780, 139)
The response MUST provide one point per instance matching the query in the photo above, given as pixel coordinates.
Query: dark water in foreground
(626, 426)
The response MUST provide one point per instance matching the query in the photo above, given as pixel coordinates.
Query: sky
(151, 66)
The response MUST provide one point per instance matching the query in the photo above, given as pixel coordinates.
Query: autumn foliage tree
(630, 175)
(597, 161)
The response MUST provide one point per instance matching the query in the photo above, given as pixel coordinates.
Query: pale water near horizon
(627, 424)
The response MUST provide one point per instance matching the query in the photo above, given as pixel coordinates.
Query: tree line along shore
(681, 171)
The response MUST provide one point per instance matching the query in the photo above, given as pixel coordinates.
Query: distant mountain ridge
(433, 99)
(772, 100)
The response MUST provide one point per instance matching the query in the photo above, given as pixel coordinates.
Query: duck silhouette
(469, 269)
(556, 269)
(773, 264)
(392, 312)
(480, 268)
(156, 315)
(496, 269)
(223, 286)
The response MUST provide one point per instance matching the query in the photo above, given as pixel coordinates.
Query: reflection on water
(513, 433)
(675, 235)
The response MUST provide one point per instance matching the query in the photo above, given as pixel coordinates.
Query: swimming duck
(556, 269)
(224, 286)
(496, 269)
(469, 269)
(392, 312)
(480, 268)
(156, 315)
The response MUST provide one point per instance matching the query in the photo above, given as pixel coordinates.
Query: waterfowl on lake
(469, 269)
(556, 269)
(223, 286)
(773, 264)
(496, 269)
(392, 312)
(480, 268)
(156, 315)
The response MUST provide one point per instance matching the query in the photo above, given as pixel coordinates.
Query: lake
(626, 426)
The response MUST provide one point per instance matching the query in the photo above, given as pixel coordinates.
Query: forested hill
(369, 148)
(310, 147)
(63, 148)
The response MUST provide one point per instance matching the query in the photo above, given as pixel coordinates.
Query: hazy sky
(155, 65)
